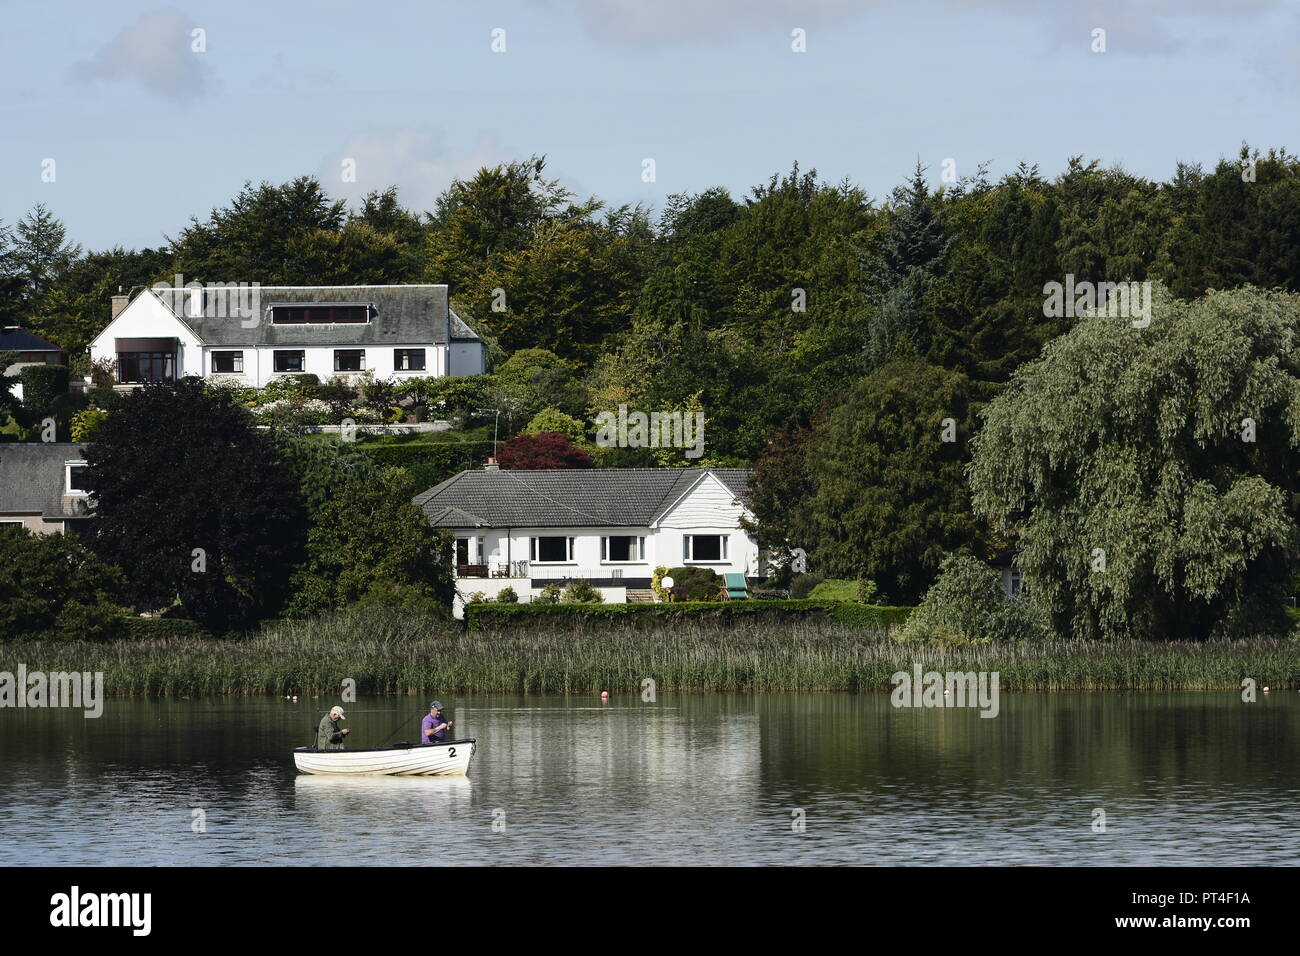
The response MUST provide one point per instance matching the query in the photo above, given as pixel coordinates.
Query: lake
(1182, 778)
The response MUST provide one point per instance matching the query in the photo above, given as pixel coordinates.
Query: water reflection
(695, 779)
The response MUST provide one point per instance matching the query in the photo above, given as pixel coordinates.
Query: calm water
(1183, 778)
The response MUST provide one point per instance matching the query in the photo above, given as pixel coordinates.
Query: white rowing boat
(405, 760)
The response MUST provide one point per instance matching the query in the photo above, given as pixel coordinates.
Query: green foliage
(86, 423)
(966, 605)
(1148, 475)
(803, 585)
(42, 385)
(295, 234)
(177, 469)
(580, 592)
(507, 595)
(489, 615)
(396, 653)
(886, 494)
(554, 420)
(430, 462)
(366, 541)
(569, 276)
(8, 402)
(52, 587)
(695, 584)
(41, 253)
(837, 589)
(532, 380)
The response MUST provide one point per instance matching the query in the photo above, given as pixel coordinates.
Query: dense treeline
(819, 330)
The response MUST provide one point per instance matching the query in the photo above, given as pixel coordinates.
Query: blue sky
(145, 132)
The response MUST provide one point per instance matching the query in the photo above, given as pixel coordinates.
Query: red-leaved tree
(542, 450)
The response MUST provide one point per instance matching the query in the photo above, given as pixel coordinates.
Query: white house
(608, 526)
(252, 335)
(41, 487)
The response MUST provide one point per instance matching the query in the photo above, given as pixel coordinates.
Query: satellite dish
(666, 583)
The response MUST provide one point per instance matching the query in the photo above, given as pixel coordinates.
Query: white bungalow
(610, 527)
(254, 334)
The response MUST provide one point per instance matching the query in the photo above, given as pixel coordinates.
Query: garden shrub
(801, 586)
(42, 384)
(86, 422)
(967, 605)
(580, 592)
(695, 584)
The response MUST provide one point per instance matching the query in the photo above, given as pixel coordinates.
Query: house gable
(707, 503)
(145, 317)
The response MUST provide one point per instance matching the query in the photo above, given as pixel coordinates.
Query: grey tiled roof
(32, 481)
(460, 328)
(566, 498)
(401, 315)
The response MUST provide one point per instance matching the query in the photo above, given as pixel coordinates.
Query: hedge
(492, 615)
(41, 385)
(431, 462)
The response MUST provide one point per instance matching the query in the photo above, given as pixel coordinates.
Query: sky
(126, 122)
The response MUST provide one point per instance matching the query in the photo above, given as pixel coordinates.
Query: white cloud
(1141, 26)
(683, 21)
(156, 53)
(419, 162)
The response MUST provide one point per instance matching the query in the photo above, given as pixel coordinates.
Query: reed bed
(394, 653)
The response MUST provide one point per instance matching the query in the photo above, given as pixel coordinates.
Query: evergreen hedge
(480, 616)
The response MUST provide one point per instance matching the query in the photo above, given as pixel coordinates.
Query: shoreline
(399, 656)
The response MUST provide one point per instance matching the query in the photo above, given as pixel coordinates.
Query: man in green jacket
(329, 736)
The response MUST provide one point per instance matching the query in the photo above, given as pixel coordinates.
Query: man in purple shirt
(433, 729)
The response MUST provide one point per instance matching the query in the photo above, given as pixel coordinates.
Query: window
(320, 314)
(552, 549)
(622, 548)
(349, 360)
(408, 360)
(137, 367)
(227, 361)
(706, 547)
(74, 473)
(1015, 584)
(289, 361)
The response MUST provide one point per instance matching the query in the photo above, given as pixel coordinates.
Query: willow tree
(1148, 473)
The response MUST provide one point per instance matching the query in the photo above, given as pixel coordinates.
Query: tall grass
(395, 653)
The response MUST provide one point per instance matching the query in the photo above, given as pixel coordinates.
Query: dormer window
(74, 478)
(322, 314)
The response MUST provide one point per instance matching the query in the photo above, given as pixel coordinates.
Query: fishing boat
(401, 760)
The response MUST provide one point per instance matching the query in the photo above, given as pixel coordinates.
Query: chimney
(491, 465)
(119, 303)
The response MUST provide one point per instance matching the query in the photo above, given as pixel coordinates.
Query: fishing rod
(392, 732)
